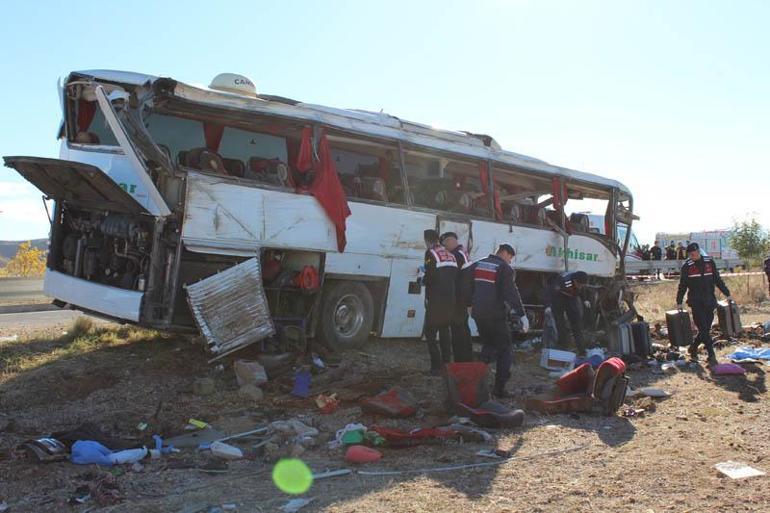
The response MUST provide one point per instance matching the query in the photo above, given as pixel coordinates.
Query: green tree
(752, 243)
(27, 262)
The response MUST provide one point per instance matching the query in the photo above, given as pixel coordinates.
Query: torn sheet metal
(230, 308)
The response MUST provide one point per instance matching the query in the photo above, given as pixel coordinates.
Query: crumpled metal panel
(230, 308)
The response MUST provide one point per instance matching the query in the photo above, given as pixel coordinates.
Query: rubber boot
(693, 352)
(712, 360)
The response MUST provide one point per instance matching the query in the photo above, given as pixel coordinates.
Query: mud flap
(230, 308)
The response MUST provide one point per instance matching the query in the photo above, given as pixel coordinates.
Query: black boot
(435, 359)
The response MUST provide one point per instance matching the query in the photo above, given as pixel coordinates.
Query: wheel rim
(348, 315)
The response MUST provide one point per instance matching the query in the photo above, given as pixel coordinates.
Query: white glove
(524, 324)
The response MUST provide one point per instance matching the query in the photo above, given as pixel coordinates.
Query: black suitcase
(729, 318)
(679, 328)
(641, 333)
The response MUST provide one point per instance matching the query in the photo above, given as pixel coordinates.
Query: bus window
(447, 185)
(363, 175)
(92, 126)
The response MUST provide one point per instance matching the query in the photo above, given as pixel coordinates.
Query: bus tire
(347, 315)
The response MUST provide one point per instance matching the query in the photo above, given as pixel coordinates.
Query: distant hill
(8, 248)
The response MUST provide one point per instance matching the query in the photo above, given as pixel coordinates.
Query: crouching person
(494, 297)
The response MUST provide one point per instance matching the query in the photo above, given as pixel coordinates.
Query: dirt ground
(117, 377)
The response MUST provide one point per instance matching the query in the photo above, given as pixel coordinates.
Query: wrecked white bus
(161, 184)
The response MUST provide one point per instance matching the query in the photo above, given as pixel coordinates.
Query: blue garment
(595, 361)
(301, 384)
(750, 352)
(87, 452)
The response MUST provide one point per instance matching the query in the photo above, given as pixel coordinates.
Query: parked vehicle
(160, 184)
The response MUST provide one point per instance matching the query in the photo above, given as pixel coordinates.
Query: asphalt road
(13, 323)
(20, 290)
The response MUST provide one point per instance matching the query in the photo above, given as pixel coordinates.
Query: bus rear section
(101, 238)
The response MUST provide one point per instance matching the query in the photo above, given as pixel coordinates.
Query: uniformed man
(462, 345)
(494, 299)
(698, 278)
(671, 251)
(440, 285)
(564, 299)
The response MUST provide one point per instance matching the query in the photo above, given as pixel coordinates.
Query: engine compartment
(108, 248)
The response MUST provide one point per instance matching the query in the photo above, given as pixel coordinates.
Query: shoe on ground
(713, 360)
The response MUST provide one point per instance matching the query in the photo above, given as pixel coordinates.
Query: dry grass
(654, 298)
(80, 338)
(117, 376)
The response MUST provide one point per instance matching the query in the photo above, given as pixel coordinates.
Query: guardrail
(634, 267)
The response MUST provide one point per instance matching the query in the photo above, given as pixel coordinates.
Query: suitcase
(679, 328)
(641, 333)
(729, 318)
(621, 339)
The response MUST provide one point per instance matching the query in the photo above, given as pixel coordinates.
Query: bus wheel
(347, 315)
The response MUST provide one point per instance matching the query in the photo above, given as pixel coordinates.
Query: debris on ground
(735, 470)
(249, 372)
(295, 505)
(394, 403)
(727, 369)
(359, 454)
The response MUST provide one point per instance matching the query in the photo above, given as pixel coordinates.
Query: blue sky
(671, 98)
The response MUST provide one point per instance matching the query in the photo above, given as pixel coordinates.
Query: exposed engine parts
(112, 249)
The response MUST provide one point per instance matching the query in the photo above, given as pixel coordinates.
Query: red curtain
(558, 192)
(328, 190)
(86, 113)
(304, 161)
(484, 177)
(384, 168)
(212, 133)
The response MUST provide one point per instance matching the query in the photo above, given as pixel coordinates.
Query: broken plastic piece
(301, 384)
(362, 454)
(735, 470)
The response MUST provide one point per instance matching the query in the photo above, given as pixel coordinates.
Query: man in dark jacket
(440, 296)
(462, 345)
(671, 251)
(564, 299)
(494, 299)
(698, 278)
(656, 253)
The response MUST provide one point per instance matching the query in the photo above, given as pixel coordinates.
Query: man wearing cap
(494, 298)
(462, 345)
(564, 299)
(440, 296)
(698, 278)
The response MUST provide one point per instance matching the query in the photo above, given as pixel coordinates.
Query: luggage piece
(679, 328)
(729, 318)
(621, 339)
(641, 333)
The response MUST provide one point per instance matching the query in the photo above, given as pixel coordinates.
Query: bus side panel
(354, 264)
(404, 312)
(542, 250)
(222, 213)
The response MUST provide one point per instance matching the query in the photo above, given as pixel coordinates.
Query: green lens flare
(292, 476)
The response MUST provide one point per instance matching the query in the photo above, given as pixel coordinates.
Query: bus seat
(579, 222)
(373, 188)
(205, 160)
(234, 167)
(271, 171)
(86, 138)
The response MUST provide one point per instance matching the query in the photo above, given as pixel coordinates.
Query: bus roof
(375, 124)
